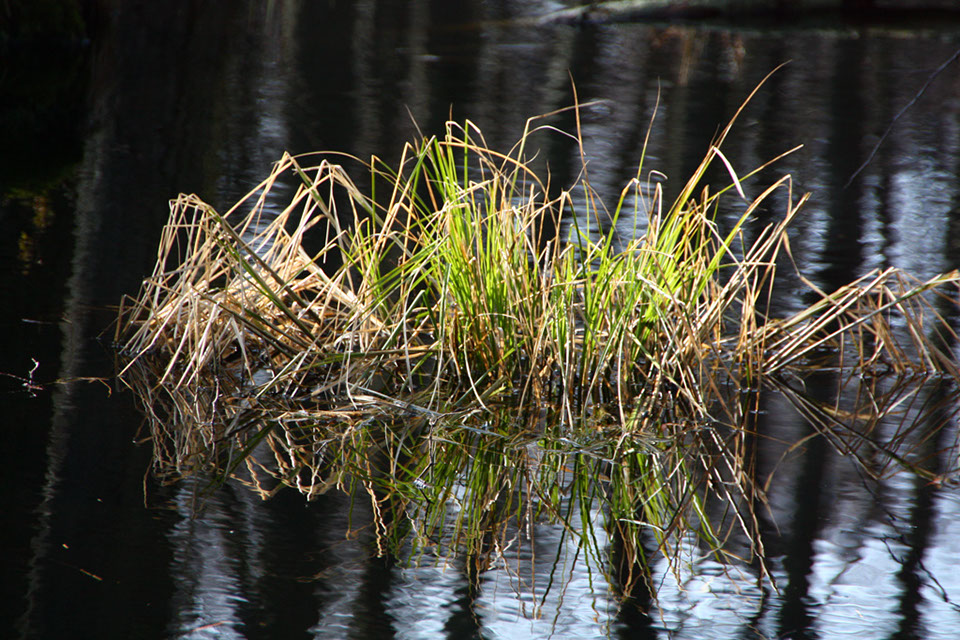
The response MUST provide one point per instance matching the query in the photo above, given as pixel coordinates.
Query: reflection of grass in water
(474, 369)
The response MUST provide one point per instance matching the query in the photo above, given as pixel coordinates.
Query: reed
(447, 345)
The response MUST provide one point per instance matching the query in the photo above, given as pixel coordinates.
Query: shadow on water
(203, 99)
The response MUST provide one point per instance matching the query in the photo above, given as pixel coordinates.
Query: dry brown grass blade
(859, 316)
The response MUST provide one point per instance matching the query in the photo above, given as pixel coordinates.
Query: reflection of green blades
(237, 458)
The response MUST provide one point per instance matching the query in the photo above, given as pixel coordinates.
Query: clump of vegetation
(469, 335)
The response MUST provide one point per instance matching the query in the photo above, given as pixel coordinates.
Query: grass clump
(472, 334)
(455, 283)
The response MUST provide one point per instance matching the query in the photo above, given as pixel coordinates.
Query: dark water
(97, 135)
